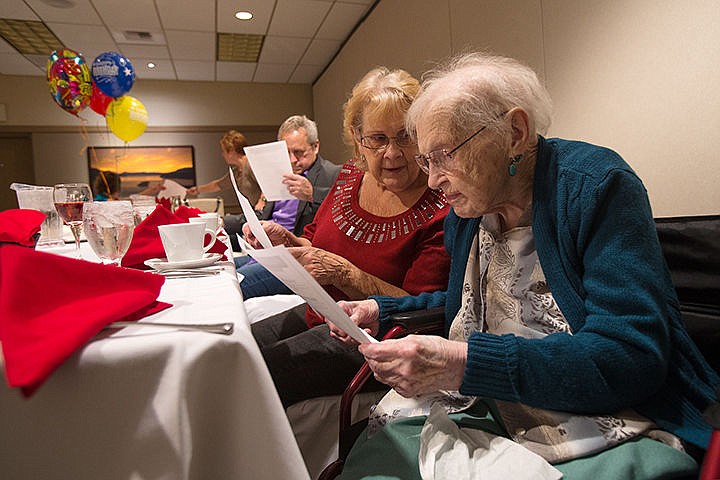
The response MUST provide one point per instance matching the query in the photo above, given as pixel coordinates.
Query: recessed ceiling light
(243, 15)
(59, 3)
(151, 65)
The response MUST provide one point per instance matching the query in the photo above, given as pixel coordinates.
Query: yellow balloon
(126, 117)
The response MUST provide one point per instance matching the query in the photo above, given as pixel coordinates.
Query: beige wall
(169, 104)
(639, 76)
(180, 113)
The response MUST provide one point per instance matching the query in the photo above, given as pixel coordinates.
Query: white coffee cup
(185, 241)
(211, 220)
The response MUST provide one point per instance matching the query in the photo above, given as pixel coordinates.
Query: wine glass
(109, 228)
(69, 200)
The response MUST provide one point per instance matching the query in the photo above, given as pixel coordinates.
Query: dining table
(156, 402)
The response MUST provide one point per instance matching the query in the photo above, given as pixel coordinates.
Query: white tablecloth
(152, 403)
(315, 422)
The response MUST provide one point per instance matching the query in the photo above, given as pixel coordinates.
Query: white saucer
(161, 264)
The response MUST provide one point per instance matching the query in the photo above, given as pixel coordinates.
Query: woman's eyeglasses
(379, 141)
(441, 159)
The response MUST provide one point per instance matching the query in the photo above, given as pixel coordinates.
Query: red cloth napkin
(164, 201)
(186, 212)
(146, 243)
(21, 226)
(52, 305)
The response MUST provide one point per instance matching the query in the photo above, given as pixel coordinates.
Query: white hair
(473, 90)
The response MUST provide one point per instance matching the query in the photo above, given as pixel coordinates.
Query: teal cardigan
(598, 247)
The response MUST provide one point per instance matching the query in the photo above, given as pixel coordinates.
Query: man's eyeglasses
(378, 141)
(441, 158)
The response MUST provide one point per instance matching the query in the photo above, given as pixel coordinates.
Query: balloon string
(84, 135)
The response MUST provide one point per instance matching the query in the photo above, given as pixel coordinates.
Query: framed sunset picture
(139, 167)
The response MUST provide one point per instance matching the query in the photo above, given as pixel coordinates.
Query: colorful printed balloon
(99, 101)
(69, 80)
(127, 118)
(113, 74)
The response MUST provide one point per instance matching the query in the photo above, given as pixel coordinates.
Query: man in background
(310, 182)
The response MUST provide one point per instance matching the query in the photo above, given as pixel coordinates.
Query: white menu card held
(269, 162)
(283, 265)
(250, 216)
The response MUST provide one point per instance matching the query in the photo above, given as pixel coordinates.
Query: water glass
(109, 228)
(143, 205)
(37, 197)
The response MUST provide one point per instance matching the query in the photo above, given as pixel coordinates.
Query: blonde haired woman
(378, 232)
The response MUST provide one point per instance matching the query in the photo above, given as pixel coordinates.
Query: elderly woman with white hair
(564, 337)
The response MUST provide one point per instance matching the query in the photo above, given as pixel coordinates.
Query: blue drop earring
(512, 168)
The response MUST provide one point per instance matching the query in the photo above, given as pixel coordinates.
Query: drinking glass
(69, 200)
(109, 228)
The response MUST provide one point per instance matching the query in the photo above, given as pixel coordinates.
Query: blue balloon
(113, 74)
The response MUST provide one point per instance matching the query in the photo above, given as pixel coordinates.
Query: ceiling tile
(120, 16)
(320, 52)
(306, 73)
(183, 35)
(194, 70)
(152, 52)
(90, 40)
(262, 10)
(163, 69)
(234, 71)
(191, 45)
(298, 18)
(81, 13)
(194, 15)
(5, 47)
(271, 73)
(12, 64)
(16, 9)
(342, 19)
(40, 61)
(284, 50)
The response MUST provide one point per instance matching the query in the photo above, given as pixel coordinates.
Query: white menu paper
(269, 161)
(250, 216)
(172, 188)
(283, 265)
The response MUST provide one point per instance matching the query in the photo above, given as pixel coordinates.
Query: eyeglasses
(441, 158)
(378, 141)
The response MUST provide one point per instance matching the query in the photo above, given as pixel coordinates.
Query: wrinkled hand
(417, 364)
(277, 234)
(364, 313)
(325, 267)
(298, 186)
